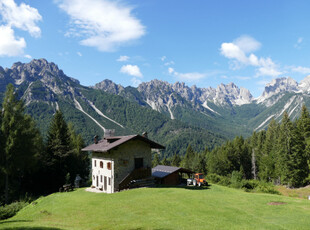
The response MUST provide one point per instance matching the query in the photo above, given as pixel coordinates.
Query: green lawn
(163, 208)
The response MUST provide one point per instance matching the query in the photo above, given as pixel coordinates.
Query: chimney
(144, 134)
(96, 139)
(109, 132)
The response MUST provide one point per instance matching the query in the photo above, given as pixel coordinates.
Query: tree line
(29, 165)
(280, 154)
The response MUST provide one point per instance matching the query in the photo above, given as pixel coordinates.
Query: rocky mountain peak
(109, 87)
(279, 85)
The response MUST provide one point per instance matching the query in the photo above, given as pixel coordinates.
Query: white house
(117, 160)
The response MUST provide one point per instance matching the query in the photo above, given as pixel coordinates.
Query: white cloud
(27, 56)
(247, 44)
(169, 63)
(9, 45)
(123, 58)
(135, 81)
(163, 58)
(23, 17)
(132, 70)
(297, 45)
(237, 52)
(103, 24)
(194, 76)
(79, 53)
(300, 69)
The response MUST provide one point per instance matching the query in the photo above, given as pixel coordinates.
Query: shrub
(267, 188)
(249, 185)
(235, 179)
(213, 178)
(10, 210)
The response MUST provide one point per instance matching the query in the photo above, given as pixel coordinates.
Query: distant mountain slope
(45, 88)
(173, 114)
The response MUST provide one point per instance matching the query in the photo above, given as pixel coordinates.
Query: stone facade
(123, 160)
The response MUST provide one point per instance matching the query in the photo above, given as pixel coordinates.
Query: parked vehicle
(198, 180)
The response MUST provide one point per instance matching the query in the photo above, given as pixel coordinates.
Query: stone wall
(123, 159)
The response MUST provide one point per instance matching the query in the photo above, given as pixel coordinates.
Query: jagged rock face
(222, 95)
(39, 75)
(109, 87)
(304, 84)
(279, 85)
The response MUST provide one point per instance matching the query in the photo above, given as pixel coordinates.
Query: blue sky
(198, 42)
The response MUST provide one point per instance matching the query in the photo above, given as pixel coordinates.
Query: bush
(249, 185)
(236, 179)
(10, 210)
(225, 181)
(213, 178)
(267, 188)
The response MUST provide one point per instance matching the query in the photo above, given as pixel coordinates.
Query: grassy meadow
(217, 207)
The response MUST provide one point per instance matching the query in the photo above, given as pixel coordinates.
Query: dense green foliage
(27, 164)
(21, 142)
(10, 210)
(279, 155)
(163, 208)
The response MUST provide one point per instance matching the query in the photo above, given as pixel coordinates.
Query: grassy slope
(163, 208)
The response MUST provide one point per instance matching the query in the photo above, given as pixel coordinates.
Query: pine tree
(187, 161)
(57, 152)
(164, 161)
(156, 160)
(21, 142)
(268, 156)
(176, 160)
(78, 162)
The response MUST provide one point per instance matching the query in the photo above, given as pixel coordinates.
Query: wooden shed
(170, 175)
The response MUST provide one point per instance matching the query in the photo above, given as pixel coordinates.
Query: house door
(105, 183)
(138, 163)
(97, 181)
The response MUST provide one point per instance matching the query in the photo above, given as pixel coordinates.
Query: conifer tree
(21, 142)
(156, 160)
(57, 152)
(268, 156)
(78, 162)
(176, 160)
(187, 161)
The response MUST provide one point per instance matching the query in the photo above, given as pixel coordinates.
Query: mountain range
(174, 114)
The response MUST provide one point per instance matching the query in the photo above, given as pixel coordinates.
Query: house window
(100, 178)
(109, 165)
(109, 180)
(101, 164)
(95, 163)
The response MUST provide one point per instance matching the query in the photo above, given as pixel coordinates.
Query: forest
(279, 155)
(29, 166)
(33, 165)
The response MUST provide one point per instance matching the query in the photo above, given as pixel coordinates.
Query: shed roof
(162, 171)
(109, 143)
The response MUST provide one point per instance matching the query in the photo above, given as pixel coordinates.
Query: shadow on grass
(31, 228)
(24, 227)
(184, 187)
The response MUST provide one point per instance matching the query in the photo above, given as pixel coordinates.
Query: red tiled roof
(109, 143)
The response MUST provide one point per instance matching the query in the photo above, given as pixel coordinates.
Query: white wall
(99, 172)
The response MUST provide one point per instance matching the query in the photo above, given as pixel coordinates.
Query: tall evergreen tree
(57, 152)
(267, 158)
(78, 162)
(156, 160)
(176, 160)
(21, 142)
(187, 161)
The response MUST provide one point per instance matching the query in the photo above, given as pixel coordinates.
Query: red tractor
(198, 180)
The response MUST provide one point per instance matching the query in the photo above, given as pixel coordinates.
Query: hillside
(173, 114)
(163, 208)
